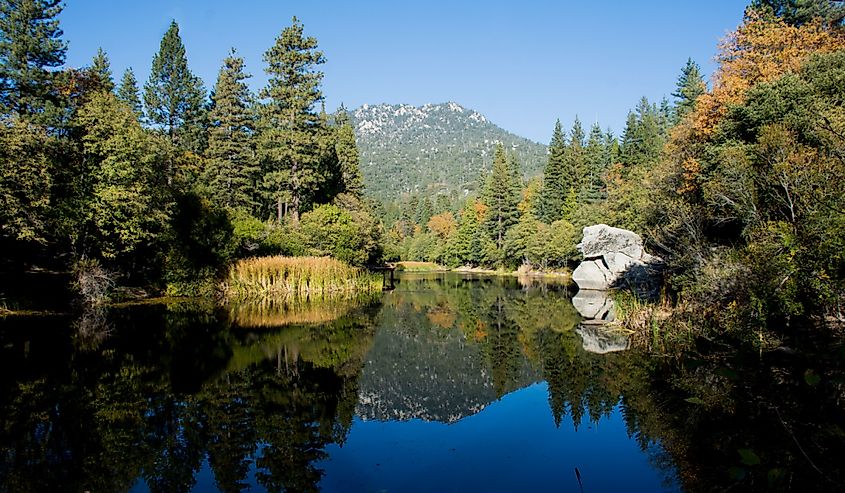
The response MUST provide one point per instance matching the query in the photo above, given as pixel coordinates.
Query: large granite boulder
(615, 257)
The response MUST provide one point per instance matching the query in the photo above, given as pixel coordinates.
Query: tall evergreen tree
(30, 44)
(232, 165)
(500, 198)
(174, 97)
(594, 159)
(101, 70)
(575, 168)
(630, 139)
(128, 93)
(515, 170)
(346, 149)
(643, 138)
(554, 186)
(289, 124)
(466, 246)
(690, 86)
(576, 134)
(409, 215)
(611, 149)
(424, 212)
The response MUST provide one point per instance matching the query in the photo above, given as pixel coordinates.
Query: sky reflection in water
(512, 445)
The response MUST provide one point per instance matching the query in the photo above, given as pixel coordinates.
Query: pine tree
(101, 70)
(346, 150)
(30, 44)
(289, 125)
(666, 117)
(515, 171)
(690, 86)
(424, 212)
(575, 168)
(552, 194)
(232, 165)
(576, 135)
(465, 247)
(128, 93)
(409, 215)
(174, 97)
(611, 149)
(500, 198)
(594, 160)
(570, 204)
(630, 138)
(643, 138)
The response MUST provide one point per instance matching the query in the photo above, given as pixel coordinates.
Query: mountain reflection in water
(449, 383)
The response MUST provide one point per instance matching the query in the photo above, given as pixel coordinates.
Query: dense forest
(161, 186)
(736, 184)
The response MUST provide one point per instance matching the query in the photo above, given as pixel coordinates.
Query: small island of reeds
(302, 276)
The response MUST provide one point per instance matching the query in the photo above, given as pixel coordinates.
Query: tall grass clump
(649, 323)
(306, 276)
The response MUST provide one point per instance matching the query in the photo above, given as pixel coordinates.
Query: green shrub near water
(321, 276)
(201, 242)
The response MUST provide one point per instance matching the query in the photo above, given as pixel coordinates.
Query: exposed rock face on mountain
(435, 148)
(615, 257)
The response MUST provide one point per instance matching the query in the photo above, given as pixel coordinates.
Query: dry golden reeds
(307, 276)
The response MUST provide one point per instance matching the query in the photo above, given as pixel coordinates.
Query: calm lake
(448, 383)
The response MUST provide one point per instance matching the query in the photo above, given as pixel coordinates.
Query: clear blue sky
(522, 64)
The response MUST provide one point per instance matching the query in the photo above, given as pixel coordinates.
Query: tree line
(164, 184)
(536, 221)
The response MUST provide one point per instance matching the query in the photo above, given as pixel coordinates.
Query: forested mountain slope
(432, 148)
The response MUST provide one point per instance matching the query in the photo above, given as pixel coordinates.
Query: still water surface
(448, 383)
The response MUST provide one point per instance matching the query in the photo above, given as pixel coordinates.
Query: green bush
(282, 239)
(329, 230)
(201, 246)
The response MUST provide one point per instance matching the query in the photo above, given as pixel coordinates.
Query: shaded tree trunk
(295, 198)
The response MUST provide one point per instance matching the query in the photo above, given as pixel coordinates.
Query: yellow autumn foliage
(762, 49)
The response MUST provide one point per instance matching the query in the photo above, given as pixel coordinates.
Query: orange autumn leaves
(762, 49)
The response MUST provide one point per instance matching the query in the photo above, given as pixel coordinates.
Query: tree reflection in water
(163, 389)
